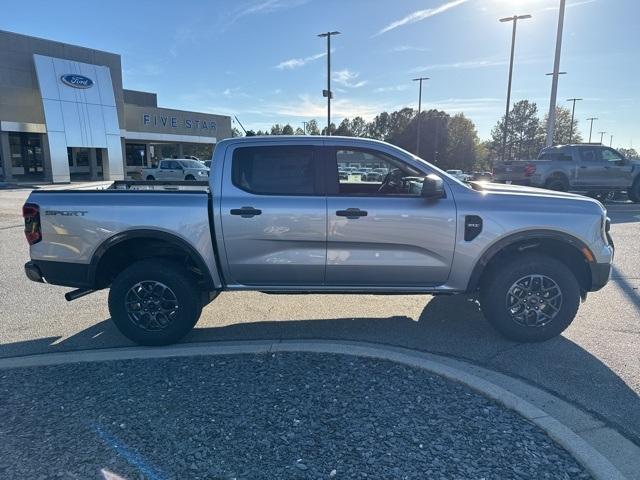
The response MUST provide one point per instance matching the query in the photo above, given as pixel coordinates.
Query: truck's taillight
(31, 215)
(529, 169)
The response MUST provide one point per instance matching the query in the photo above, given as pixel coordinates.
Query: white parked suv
(177, 169)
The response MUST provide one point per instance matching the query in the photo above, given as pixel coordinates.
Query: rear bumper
(33, 272)
(58, 273)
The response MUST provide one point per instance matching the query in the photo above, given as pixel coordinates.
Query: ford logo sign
(76, 81)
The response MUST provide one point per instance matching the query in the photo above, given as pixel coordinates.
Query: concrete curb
(604, 453)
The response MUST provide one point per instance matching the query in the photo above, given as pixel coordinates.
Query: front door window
(27, 157)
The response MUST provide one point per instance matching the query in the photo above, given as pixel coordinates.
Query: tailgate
(510, 172)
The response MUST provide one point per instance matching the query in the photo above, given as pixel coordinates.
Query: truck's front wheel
(530, 298)
(634, 191)
(154, 302)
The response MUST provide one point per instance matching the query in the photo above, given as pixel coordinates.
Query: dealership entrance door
(26, 157)
(85, 163)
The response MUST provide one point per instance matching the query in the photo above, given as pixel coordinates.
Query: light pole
(611, 141)
(554, 84)
(327, 93)
(591, 119)
(573, 111)
(601, 136)
(420, 79)
(513, 19)
(304, 127)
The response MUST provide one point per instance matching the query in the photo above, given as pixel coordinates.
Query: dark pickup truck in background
(591, 168)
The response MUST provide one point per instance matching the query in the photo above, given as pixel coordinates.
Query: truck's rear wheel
(559, 184)
(154, 302)
(530, 298)
(151, 178)
(190, 177)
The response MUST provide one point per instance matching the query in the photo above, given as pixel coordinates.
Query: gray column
(180, 154)
(5, 148)
(46, 160)
(93, 164)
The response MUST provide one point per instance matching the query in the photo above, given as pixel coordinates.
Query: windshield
(192, 164)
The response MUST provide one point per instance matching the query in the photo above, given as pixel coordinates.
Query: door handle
(583, 166)
(352, 213)
(246, 212)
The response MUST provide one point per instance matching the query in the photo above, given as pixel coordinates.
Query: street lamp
(611, 141)
(573, 111)
(327, 93)
(601, 136)
(591, 119)
(420, 79)
(304, 127)
(551, 123)
(513, 19)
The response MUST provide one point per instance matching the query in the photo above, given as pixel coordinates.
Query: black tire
(495, 295)
(559, 184)
(151, 178)
(189, 177)
(634, 192)
(154, 326)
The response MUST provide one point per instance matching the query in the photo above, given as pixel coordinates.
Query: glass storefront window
(135, 154)
(203, 151)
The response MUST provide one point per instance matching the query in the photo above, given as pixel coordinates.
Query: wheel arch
(119, 251)
(571, 251)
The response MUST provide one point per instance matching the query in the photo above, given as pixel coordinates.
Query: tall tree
(299, 131)
(287, 130)
(462, 144)
(276, 129)
(312, 127)
(525, 137)
(629, 153)
(562, 130)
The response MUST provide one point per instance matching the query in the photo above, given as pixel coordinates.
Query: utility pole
(513, 19)
(611, 141)
(327, 93)
(304, 127)
(420, 79)
(601, 136)
(573, 111)
(591, 127)
(551, 124)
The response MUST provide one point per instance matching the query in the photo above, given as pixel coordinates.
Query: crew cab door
(383, 233)
(169, 170)
(274, 216)
(618, 170)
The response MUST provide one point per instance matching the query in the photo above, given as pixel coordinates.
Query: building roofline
(60, 43)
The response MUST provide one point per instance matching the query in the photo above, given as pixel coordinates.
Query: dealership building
(64, 115)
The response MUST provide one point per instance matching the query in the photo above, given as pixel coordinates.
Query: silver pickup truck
(278, 218)
(592, 168)
(176, 169)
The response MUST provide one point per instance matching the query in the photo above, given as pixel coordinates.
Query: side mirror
(432, 187)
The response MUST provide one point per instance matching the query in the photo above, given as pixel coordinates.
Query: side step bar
(75, 294)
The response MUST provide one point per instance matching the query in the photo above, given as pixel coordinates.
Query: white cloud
(347, 78)
(298, 62)
(408, 48)
(393, 88)
(479, 63)
(421, 15)
(266, 6)
(340, 107)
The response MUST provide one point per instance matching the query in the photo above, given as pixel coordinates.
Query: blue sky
(261, 59)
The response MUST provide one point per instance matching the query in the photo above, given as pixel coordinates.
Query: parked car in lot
(591, 168)
(176, 169)
(459, 174)
(277, 219)
(482, 176)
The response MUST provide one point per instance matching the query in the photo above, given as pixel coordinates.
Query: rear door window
(277, 170)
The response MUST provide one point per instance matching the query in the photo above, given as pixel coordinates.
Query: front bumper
(600, 275)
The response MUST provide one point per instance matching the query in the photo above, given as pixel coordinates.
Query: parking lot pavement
(595, 363)
(275, 415)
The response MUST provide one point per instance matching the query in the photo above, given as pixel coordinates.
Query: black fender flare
(530, 235)
(178, 242)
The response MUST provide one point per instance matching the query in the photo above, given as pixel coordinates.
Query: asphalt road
(595, 363)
